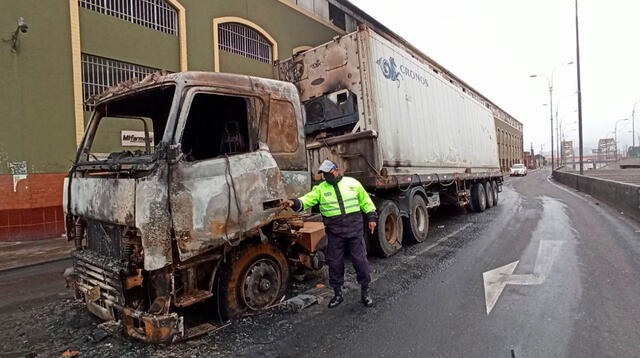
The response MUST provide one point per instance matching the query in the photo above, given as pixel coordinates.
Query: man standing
(341, 200)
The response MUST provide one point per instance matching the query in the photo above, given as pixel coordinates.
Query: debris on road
(300, 302)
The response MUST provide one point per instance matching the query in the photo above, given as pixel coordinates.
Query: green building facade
(75, 48)
(55, 55)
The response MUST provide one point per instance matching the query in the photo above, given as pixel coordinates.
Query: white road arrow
(497, 279)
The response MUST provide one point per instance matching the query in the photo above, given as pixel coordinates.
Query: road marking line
(497, 279)
(438, 242)
(441, 240)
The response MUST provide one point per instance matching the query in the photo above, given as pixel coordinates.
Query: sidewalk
(27, 253)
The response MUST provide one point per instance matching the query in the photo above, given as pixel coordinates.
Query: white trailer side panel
(425, 124)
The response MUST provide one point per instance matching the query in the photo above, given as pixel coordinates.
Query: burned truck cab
(175, 199)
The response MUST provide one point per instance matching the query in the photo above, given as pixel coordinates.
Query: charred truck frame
(186, 213)
(196, 214)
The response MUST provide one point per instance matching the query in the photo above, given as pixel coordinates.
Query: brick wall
(34, 210)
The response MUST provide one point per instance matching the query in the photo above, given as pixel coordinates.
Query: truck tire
(478, 198)
(494, 187)
(488, 190)
(254, 278)
(416, 226)
(388, 235)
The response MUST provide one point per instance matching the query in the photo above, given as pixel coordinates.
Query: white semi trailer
(388, 119)
(192, 221)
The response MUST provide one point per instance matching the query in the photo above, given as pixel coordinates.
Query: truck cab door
(283, 131)
(224, 184)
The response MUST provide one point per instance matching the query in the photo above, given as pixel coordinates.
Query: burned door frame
(216, 201)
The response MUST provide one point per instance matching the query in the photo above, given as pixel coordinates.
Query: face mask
(330, 178)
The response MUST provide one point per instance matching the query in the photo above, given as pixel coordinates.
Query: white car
(518, 169)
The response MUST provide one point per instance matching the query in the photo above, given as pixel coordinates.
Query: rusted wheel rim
(390, 229)
(261, 284)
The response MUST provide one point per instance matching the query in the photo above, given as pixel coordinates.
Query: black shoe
(365, 299)
(336, 300)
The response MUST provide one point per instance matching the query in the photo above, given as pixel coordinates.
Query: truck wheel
(416, 226)
(489, 194)
(494, 187)
(478, 198)
(388, 235)
(253, 279)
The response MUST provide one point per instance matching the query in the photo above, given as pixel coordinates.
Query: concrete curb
(31, 264)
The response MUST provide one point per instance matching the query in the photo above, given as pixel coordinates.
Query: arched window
(154, 14)
(300, 49)
(245, 41)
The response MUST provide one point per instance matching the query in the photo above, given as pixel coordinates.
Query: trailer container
(390, 120)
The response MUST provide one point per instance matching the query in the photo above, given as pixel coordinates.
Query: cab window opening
(217, 125)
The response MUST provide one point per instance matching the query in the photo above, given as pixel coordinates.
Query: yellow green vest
(354, 198)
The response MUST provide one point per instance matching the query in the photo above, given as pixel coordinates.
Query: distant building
(633, 152)
(606, 151)
(528, 160)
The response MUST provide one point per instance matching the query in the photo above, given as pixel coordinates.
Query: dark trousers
(337, 247)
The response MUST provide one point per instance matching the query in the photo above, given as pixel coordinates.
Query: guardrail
(622, 196)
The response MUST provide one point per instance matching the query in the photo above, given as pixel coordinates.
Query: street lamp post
(558, 128)
(633, 124)
(615, 134)
(579, 89)
(550, 83)
(559, 125)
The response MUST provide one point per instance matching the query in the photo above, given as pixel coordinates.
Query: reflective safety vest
(350, 197)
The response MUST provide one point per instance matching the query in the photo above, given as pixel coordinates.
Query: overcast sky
(495, 45)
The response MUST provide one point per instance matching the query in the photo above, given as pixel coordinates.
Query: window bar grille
(154, 14)
(244, 41)
(99, 73)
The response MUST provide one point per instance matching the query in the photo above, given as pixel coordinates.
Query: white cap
(327, 166)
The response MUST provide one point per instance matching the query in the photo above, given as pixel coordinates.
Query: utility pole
(560, 140)
(633, 124)
(550, 83)
(558, 136)
(579, 90)
(551, 116)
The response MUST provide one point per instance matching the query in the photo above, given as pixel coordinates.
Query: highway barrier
(622, 196)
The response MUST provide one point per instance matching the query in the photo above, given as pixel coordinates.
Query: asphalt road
(559, 270)
(586, 307)
(27, 287)
(574, 290)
